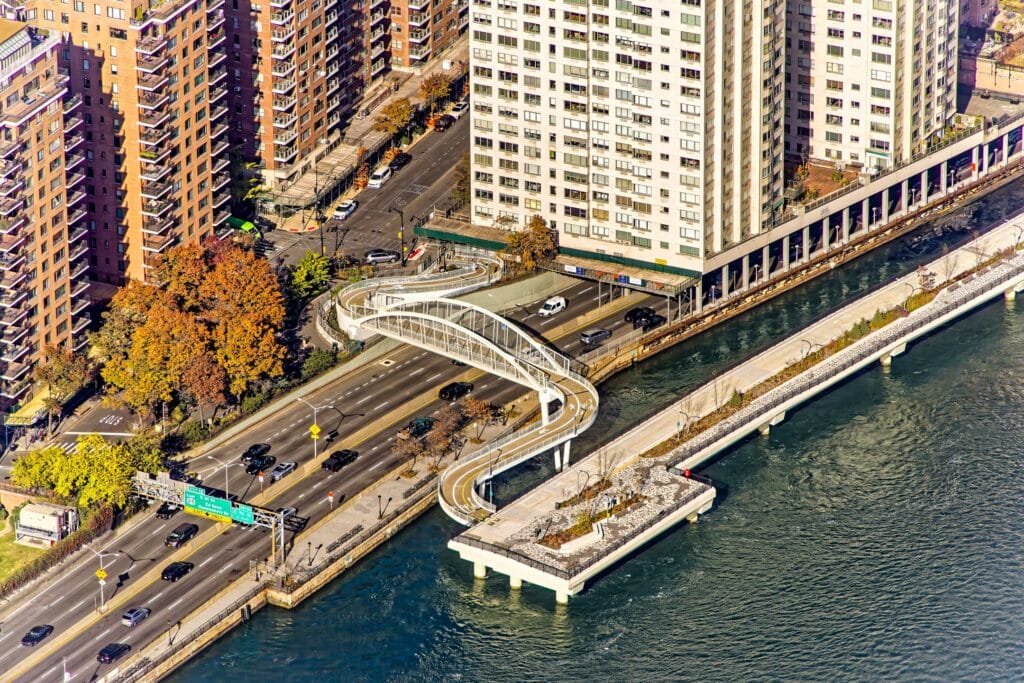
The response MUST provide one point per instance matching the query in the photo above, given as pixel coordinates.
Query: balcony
(285, 137)
(217, 75)
(218, 130)
(9, 169)
(9, 207)
(219, 149)
(9, 149)
(216, 38)
(154, 191)
(283, 86)
(154, 173)
(153, 137)
(212, 5)
(149, 100)
(13, 336)
(157, 244)
(331, 18)
(16, 390)
(78, 271)
(73, 161)
(80, 324)
(216, 58)
(217, 112)
(150, 65)
(419, 35)
(77, 234)
(418, 4)
(75, 197)
(72, 103)
(72, 122)
(283, 103)
(284, 154)
(156, 209)
(11, 226)
(378, 67)
(150, 45)
(220, 181)
(221, 164)
(282, 69)
(279, 4)
(79, 289)
(214, 20)
(154, 119)
(221, 199)
(12, 279)
(12, 316)
(333, 85)
(15, 371)
(282, 18)
(285, 120)
(418, 18)
(75, 216)
(379, 16)
(73, 142)
(74, 179)
(217, 93)
(150, 82)
(78, 252)
(374, 4)
(220, 216)
(13, 354)
(282, 50)
(9, 243)
(79, 305)
(9, 188)
(282, 35)
(380, 48)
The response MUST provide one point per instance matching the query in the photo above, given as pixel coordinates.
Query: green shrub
(316, 363)
(193, 432)
(252, 402)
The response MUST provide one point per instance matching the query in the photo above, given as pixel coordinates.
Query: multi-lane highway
(379, 390)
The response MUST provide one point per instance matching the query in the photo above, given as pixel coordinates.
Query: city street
(348, 405)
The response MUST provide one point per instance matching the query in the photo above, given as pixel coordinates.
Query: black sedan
(399, 161)
(36, 635)
(637, 316)
(176, 570)
(113, 652)
(261, 464)
(444, 123)
(255, 451)
(652, 322)
(167, 510)
(455, 391)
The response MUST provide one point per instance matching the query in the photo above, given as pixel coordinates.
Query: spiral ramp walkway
(419, 310)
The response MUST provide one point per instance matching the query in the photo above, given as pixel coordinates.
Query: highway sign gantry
(198, 502)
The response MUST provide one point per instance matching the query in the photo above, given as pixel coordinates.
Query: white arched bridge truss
(418, 310)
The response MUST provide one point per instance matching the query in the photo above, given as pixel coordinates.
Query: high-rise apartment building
(421, 29)
(43, 251)
(152, 77)
(647, 133)
(869, 82)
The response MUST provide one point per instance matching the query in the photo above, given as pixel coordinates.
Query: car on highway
(555, 304)
(135, 616)
(167, 510)
(36, 635)
(455, 391)
(181, 535)
(260, 464)
(113, 652)
(255, 451)
(338, 459)
(444, 123)
(345, 209)
(375, 256)
(218, 493)
(379, 177)
(595, 336)
(287, 512)
(282, 469)
(459, 109)
(417, 427)
(400, 160)
(637, 316)
(654, 321)
(176, 570)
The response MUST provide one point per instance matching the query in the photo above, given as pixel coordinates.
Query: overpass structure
(419, 310)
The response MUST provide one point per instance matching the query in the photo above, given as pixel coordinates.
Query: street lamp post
(315, 424)
(225, 466)
(101, 573)
(401, 231)
(874, 215)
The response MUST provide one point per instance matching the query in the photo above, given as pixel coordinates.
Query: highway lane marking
(225, 568)
(302, 495)
(176, 603)
(377, 465)
(205, 562)
(364, 399)
(433, 377)
(105, 633)
(61, 597)
(77, 605)
(416, 372)
(380, 406)
(16, 611)
(585, 291)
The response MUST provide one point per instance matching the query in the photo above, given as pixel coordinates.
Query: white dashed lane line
(433, 377)
(416, 372)
(376, 408)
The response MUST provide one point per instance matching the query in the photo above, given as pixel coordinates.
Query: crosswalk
(69, 447)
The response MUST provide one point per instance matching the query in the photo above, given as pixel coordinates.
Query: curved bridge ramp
(418, 310)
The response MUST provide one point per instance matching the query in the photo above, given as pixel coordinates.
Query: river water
(878, 533)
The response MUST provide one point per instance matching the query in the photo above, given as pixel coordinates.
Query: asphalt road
(354, 400)
(415, 189)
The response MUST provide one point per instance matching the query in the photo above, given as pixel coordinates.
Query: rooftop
(9, 28)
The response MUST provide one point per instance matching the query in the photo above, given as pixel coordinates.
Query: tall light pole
(225, 466)
(101, 573)
(315, 430)
(401, 230)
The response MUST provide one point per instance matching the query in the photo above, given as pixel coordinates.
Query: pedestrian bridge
(418, 309)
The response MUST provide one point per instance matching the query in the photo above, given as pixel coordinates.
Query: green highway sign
(198, 502)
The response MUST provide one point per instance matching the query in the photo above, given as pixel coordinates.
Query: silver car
(135, 616)
(375, 256)
(282, 469)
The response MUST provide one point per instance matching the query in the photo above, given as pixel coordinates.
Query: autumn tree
(408, 449)
(438, 443)
(477, 411)
(97, 471)
(394, 116)
(204, 381)
(460, 189)
(128, 310)
(529, 246)
(310, 275)
(64, 374)
(435, 88)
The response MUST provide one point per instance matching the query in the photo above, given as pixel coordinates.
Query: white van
(379, 177)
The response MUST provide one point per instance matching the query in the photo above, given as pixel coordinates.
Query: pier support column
(565, 454)
(885, 206)
(766, 262)
(558, 461)
(865, 214)
(479, 570)
(764, 429)
(785, 253)
(944, 176)
(985, 154)
(975, 163)
(746, 271)
(1010, 294)
(562, 597)
(846, 225)
(545, 414)
(886, 359)
(805, 244)
(692, 517)
(1005, 140)
(905, 196)
(826, 233)
(515, 582)
(725, 281)
(925, 186)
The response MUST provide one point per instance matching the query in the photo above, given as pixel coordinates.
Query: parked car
(135, 616)
(444, 123)
(338, 459)
(400, 160)
(287, 512)
(595, 336)
(176, 570)
(282, 469)
(636, 316)
(254, 451)
(375, 256)
(417, 427)
(459, 109)
(167, 510)
(345, 209)
(455, 391)
(113, 652)
(181, 535)
(555, 304)
(379, 177)
(36, 635)
(260, 464)
(654, 321)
